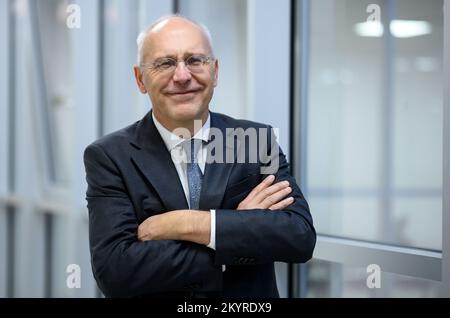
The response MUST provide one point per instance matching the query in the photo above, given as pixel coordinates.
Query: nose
(182, 74)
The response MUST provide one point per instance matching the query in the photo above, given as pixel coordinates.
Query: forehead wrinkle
(176, 53)
(165, 29)
(185, 56)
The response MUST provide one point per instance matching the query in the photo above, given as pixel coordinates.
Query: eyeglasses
(166, 65)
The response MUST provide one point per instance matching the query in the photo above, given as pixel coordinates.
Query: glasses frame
(157, 68)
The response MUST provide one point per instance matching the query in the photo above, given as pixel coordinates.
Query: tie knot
(191, 147)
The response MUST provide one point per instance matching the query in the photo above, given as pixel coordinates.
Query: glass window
(52, 58)
(374, 120)
(328, 279)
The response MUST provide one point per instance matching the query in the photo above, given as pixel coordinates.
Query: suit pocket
(241, 188)
(152, 206)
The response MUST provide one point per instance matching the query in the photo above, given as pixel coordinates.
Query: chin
(186, 112)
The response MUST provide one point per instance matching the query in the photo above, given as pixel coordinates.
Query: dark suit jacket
(131, 177)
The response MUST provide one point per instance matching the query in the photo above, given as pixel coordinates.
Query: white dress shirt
(179, 158)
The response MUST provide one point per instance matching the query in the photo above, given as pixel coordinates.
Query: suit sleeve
(124, 266)
(260, 235)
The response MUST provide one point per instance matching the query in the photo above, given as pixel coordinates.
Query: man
(166, 219)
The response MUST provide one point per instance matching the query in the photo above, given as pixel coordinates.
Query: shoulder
(231, 122)
(114, 141)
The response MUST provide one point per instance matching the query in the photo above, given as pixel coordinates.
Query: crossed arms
(167, 252)
(195, 226)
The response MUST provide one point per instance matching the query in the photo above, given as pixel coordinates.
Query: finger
(140, 232)
(282, 204)
(276, 197)
(265, 193)
(260, 187)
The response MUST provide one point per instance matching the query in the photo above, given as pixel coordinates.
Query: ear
(216, 72)
(138, 77)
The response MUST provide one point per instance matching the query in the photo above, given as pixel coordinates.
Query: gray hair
(141, 37)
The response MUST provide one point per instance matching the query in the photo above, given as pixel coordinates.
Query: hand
(268, 196)
(185, 225)
(166, 226)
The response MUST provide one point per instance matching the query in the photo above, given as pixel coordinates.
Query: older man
(175, 208)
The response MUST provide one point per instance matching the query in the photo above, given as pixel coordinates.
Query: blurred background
(355, 87)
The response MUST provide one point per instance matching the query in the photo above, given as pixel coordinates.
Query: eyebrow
(185, 56)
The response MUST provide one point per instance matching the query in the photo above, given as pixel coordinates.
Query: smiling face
(179, 96)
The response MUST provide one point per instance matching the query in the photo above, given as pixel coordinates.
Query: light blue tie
(194, 174)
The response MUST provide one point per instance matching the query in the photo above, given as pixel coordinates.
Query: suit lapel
(153, 160)
(216, 174)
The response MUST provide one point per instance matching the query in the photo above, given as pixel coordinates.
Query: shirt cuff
(212, 237)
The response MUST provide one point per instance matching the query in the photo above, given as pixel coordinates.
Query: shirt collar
(171, 140)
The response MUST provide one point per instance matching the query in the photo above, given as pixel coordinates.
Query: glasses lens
(196, 63)
(165, 65)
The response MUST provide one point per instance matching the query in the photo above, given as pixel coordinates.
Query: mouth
(184, 93)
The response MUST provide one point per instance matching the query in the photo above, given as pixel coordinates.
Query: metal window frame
(11, 99)
(10, 109)
(300, 21)
(413, 262)
(394, 259)
(446, 160)
(48, 224)
(45, 118)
